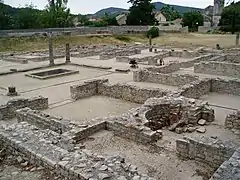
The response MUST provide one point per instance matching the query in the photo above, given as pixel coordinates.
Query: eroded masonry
(122, 112)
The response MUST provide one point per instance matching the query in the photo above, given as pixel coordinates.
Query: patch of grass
(15, 44)
(122, 38)
(183, 40)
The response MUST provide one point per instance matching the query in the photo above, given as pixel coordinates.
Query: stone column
(50, 45)
(68, 53)
(237, 39)
(150, 43)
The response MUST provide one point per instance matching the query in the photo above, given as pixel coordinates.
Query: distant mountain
(110, 11)
(180, 9)
(158, 5)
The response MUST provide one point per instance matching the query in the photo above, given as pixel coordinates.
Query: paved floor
(23, 83)
(89, 108)
(201, 76)
(223, 104)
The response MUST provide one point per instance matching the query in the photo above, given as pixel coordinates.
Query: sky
(92, 6)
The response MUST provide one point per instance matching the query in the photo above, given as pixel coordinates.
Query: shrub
(165, 24)
(122, 38)
(153, 32)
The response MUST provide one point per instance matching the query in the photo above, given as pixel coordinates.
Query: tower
(218, 7)
(217, 10)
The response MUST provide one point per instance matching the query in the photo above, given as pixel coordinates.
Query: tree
(192, 19)
(170, 13)
(83, 20)
(27, 18)
(230, 18)
(57, 14)
(141, 13)
(110, 21)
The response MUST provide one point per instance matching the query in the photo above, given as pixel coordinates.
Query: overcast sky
(91, 6)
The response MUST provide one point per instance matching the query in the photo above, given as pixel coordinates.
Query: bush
(122, 38)
(153, 32)
(165, 24)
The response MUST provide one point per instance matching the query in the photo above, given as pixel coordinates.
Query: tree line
(57, 15)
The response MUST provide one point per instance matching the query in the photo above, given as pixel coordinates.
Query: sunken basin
(52, 73)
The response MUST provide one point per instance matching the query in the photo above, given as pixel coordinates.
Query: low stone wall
(226, 86)
(232, 121)
(86, 89)
(218, 68)
(42, 120)
(230, 169)
(170, 68)
(174, 113)
(86, 53)
(114, 53)
(191, 63)
(8, 111)
(233, 58)
(118, 91)
(196, 89)
(40, 149)
(159, 78)
(151, 59)
(16, 60)
(210, 151)
(183, 54)
(129, 93)
(137, 134)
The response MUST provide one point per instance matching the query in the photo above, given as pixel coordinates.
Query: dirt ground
(11, 169)
(152, 160)
(86, 109)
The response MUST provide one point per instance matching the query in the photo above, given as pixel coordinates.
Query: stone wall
(226, 86)
(183, 54)
(210, 151)
(118, 91)
(86, 89)
(232, 121)
(196, 89)
(159, 78)
(114, 53)
(8, 111)
(230, 169)
(170, 68)
(129, 93)
(42, 120)
(87, 30)
(135, 133)
(16, 60)
(39, 148)
(151, 59)
(191, 63)
(233, 58)
(218, 68)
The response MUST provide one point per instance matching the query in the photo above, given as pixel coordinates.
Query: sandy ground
(200, 75)
(24, 83)
(223, 104)
(151, 160)
(96, 106)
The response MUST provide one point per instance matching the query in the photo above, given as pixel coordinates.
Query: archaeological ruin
(84, 113)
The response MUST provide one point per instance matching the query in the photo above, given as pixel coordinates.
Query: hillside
(158, 6)
(110, 11)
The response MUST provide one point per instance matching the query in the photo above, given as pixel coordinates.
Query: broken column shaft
(68, 53)
(50, 45)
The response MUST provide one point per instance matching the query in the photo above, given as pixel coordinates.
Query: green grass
(183, 40)
(17, 44)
